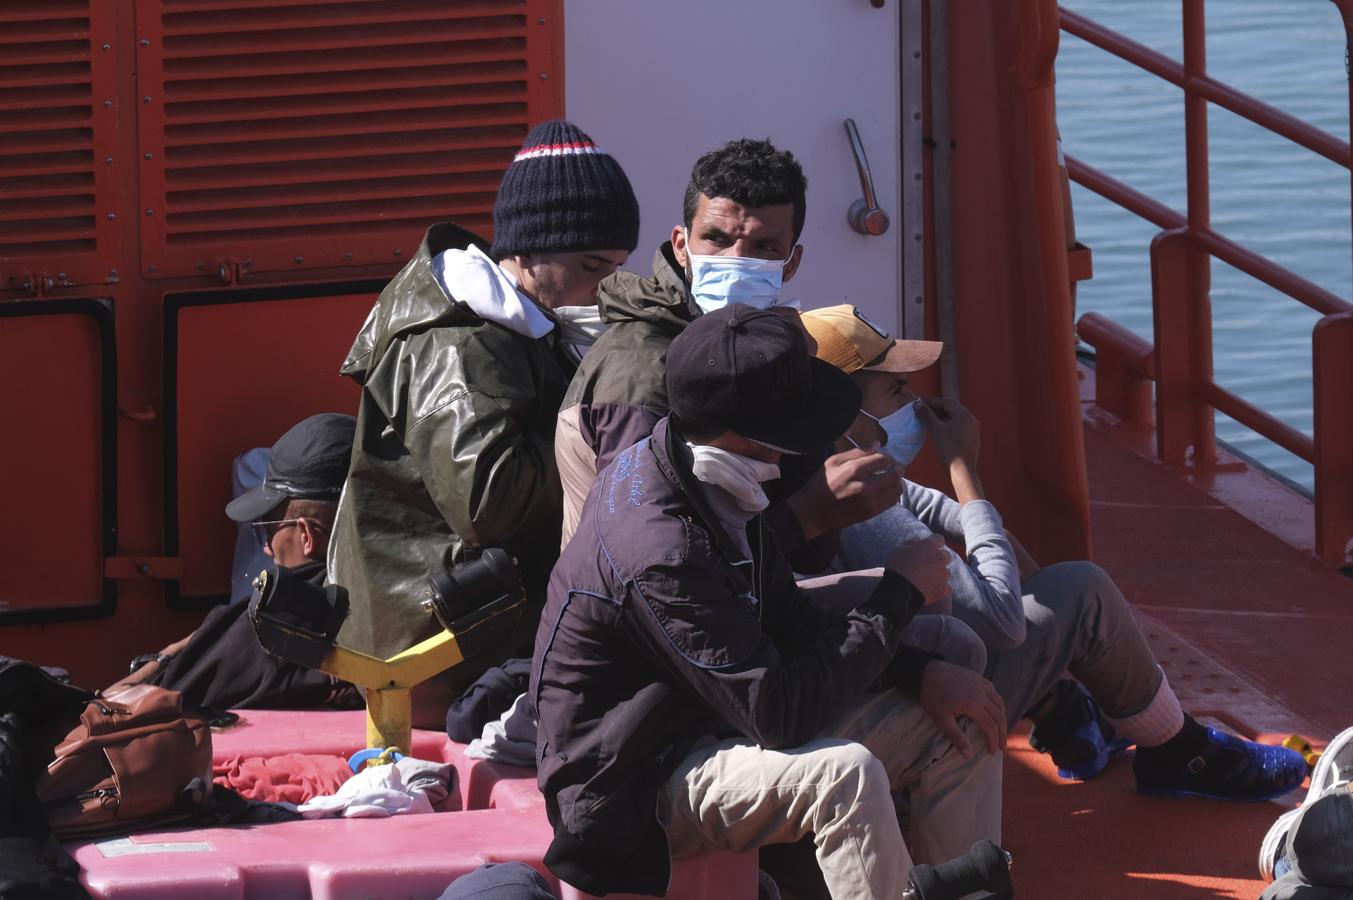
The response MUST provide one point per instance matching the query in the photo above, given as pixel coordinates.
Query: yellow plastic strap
(1303, 746)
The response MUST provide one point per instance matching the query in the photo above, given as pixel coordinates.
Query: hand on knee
(949, 693)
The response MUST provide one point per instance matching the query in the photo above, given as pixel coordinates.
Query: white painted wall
(658, 83)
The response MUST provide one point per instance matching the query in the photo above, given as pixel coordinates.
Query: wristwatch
(144, 658)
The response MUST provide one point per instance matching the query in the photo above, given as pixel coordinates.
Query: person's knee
(950, 637)
(1067, 588)
(849, 768)
(963, 647)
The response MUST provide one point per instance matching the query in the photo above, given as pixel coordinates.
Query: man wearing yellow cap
(1068, 617)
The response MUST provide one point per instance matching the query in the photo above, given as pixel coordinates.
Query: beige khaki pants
(734, 795)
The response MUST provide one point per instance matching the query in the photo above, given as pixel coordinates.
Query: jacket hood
(413, 300)
(663, 300)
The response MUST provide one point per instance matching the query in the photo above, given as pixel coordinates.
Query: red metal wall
(234, 179)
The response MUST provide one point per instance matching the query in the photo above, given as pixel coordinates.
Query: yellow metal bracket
(387, 683)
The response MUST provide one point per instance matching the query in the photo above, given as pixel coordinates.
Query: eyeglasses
(266, 531)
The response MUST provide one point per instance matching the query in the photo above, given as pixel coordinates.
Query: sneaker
(1076, 734)
(1231, 768)
(1333, 767)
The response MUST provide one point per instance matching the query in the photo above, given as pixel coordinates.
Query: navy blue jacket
(655, 631)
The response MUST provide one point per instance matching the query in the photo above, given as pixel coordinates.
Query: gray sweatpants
(1077, 622)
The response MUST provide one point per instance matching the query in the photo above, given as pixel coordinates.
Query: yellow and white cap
(851, 342)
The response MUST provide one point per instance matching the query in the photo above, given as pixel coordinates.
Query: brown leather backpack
(133, 760)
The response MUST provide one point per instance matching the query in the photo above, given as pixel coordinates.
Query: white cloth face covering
(740, 476)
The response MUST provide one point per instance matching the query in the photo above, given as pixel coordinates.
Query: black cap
(309, 462)
(750, 371)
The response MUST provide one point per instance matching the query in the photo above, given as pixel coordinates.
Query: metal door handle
(864, 215)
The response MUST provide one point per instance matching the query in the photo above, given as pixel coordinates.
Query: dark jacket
(619, 393)
(223, 666)
(619, 389)
(652, 636)
(32, 862)
(454, 452)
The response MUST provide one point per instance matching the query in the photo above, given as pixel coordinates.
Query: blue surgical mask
(905, 430)
(717, 281)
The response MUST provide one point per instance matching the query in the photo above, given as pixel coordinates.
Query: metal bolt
(145, 99)
(248, 263)
(348, 257)
(919, 300)
(107, 160)
(150, 156)
(150, 269)
(112, 216)
(916, 237)
(540, 21)
(108, 46)
(916, 116)
(916, 54)
(150, 212)
(145, 42)
(916, 177)
(544, 76)
(399, 253)
(108, 104)
(61, 276)
(299, 260)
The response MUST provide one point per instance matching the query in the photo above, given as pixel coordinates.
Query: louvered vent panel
(57, 115)
(319, 134)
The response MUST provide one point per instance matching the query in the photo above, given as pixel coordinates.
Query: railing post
(1123, 369)
(1333, 361)
(1182, 313)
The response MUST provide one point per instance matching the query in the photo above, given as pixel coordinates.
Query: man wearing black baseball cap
(692, 697)
(292, 509)
(221, 664)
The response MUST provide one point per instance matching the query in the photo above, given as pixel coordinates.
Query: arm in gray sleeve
(986, 588)
(936, 510)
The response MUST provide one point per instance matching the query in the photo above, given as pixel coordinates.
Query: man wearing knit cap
(462, 374)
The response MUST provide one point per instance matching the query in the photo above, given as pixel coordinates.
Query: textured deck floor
(1252, 633)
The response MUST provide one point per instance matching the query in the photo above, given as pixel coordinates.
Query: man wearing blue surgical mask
(733, 253)
(1037, 624)
(738, 242)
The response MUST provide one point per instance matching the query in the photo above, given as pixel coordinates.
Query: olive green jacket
(453, 454)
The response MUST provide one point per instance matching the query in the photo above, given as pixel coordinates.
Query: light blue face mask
(717, 281)
(905, 430)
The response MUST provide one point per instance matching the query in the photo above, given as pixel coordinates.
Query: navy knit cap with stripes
(563, 194)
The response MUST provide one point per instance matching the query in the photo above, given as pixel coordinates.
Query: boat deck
(1250, 630)
(1253, 634)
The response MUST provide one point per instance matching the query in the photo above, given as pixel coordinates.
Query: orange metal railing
(1180, 362)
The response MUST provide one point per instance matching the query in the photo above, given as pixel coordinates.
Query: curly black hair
(749, 172)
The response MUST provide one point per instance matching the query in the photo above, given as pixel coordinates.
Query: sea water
(1268, 194)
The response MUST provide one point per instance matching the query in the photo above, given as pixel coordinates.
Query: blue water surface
(1268, 194)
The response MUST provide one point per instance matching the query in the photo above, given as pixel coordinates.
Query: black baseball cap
(309, 462)
(750, 371)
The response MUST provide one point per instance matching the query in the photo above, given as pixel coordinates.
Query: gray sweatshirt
(985, 587)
